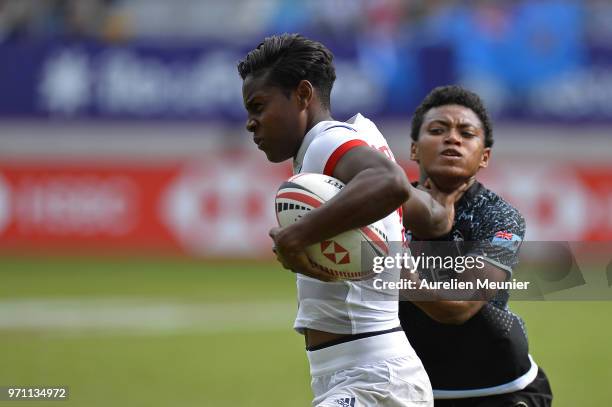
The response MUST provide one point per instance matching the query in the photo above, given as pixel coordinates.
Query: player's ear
(414, 152)
(484, 159)
(304, 93)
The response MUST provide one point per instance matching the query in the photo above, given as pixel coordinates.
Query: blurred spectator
(31, 19)
(599, 28)
(228, 20)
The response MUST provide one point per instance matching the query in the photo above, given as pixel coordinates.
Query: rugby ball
(347, 256)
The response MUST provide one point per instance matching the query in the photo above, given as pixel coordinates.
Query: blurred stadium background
(135, 265)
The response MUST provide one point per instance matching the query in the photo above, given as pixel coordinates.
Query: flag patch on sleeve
(506, 240)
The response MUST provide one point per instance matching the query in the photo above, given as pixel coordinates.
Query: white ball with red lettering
(347, 256)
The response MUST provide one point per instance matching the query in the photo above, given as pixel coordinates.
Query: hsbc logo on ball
(335, 252)
(5, 204)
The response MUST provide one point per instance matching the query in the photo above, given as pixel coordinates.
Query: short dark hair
(290, 58)
(452, 95)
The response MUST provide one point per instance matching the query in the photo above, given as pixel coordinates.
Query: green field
(163, 332)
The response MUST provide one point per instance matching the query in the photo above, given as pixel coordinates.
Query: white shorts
(381, 370)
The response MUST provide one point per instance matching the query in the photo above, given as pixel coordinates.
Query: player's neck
(318, 116)
(448, 183)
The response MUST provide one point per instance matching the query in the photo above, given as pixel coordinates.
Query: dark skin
(450, 151)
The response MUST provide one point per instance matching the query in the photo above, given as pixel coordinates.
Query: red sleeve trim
(332, 161)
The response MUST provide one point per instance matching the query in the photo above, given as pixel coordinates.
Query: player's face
(277, 121)
(451, 144)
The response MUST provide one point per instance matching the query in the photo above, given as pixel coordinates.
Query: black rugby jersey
(488, 354)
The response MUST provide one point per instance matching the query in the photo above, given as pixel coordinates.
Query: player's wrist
(291, 238)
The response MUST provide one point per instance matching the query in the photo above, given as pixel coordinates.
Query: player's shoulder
(325, 144)
(354, 127)
(336, 129)
(497, 210)
(329, 135)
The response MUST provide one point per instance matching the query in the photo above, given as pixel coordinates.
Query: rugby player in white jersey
(357, 352)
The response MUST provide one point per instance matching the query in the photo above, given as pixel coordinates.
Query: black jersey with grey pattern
(491, 348)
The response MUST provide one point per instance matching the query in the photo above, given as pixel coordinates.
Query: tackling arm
(437, 305)
(425, 216)
(429, 212)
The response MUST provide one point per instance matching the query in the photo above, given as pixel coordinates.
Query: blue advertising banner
(90, 80)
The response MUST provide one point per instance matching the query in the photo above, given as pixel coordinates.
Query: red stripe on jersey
(375, 239)
(333, 159)
(303, 198)
(400, 212)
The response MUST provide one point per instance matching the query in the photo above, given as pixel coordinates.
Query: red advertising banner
(83, 205)
(221, 205)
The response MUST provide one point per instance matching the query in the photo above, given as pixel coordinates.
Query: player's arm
(429, 212)
(375, 187)
(500, 258)
(437, 305)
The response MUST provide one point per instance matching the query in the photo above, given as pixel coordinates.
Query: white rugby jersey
(339, 307)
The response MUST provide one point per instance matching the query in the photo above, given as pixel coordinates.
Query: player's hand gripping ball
(347, 256)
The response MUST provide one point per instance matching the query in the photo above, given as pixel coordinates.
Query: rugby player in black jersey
(474, 351)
